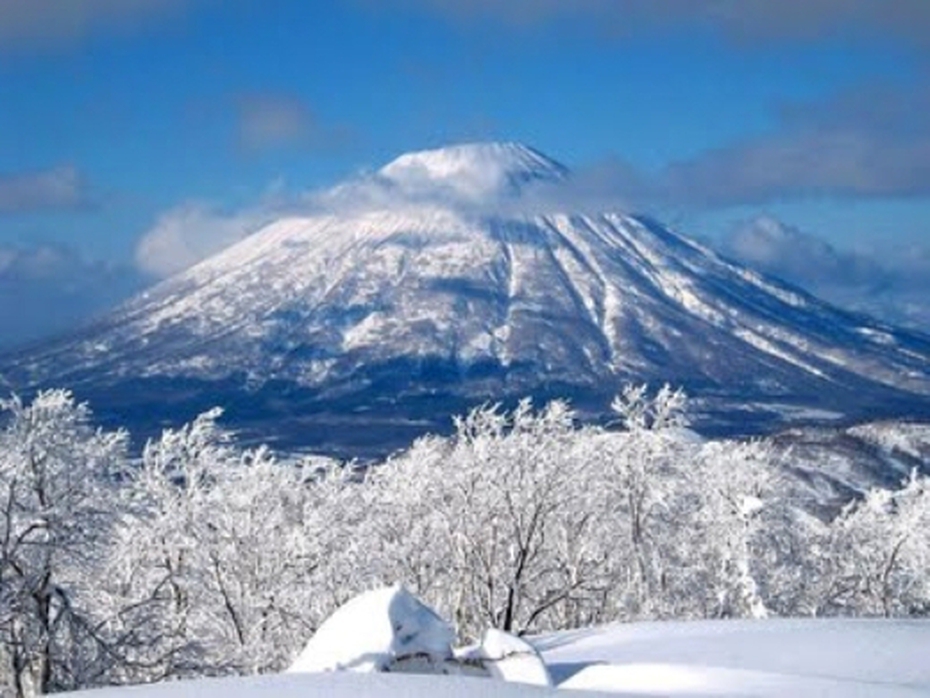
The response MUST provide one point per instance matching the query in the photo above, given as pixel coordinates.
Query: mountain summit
(475, 170)
(392, 317)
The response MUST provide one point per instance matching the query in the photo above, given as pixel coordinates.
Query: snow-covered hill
(440, 282)
(834, 465)
(791, 658)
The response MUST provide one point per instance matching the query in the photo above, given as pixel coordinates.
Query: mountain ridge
(366, 311)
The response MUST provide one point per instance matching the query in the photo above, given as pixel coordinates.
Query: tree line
(203, 558)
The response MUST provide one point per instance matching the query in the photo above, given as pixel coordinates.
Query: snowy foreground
(745, 658)
(705, 658)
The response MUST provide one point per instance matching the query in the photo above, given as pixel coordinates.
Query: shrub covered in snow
(201, 558)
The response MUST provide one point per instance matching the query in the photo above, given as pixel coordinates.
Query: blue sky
(183, 121)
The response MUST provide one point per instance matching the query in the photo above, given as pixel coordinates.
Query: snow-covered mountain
(439, 282)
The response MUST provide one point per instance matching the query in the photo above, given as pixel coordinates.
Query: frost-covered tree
(200, 557)
(876, 555)
(736, 502)
(524, 521)
(492, 524)
(644, 470)
(157, 574)
(521, 485)
(213, 562)
(57, 513)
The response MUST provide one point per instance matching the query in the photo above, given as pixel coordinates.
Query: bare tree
(56, 514)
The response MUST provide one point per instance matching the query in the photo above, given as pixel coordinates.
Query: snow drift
(374, 630)
(761, 659)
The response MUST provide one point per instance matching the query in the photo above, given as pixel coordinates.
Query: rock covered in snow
(505, 657)
(373, 630)
(390, 630)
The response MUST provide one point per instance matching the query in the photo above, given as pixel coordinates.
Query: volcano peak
(475, 168)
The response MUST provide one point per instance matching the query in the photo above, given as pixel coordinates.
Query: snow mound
(390, 630)
(373, 630)
(505, 657)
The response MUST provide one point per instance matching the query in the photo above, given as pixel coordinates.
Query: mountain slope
(441, 291)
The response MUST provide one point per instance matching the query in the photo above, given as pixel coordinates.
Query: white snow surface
(746, 658)
(371, 630)
(332, 685)
(581, 298)
(785, 658)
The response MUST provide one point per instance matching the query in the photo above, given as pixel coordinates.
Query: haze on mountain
(465, 275)
(892, 286)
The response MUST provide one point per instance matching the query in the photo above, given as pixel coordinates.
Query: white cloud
(894, 286)
(58, 188)
(775, 247)
(267, 121)
(742, 20)
(53, 22)
(192, 232)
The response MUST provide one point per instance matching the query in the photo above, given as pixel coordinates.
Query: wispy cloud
(740, 20)
(867, 143)
(60, 22)
(45, 289)
(193, 231)
(270, 121)
(58, 188)
(891, 284)
(784, 250)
